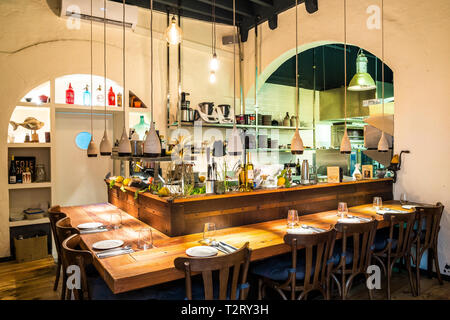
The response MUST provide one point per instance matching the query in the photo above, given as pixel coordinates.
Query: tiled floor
(34, 281)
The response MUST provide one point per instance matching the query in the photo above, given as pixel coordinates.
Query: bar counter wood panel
(181, 216)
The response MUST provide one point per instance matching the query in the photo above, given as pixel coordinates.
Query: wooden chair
(394, 245)
(64, 230)
(303, 275)
(426, 238)
(55, 214)
(355, 255)
(239, 260)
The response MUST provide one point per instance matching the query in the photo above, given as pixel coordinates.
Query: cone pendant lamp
(346, 146)
(105, 144)
(124, 144)
(383, 145)
(297, 142)
(234, 145)
(92, 148)
(152, 144)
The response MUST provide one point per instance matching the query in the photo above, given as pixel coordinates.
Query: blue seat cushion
(279, 267)
(174, 290)
(382, 239)
(337, 253)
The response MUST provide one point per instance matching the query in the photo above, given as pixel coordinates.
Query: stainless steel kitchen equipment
(305, 172)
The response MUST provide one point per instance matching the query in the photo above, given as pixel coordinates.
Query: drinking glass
(403, 198)
(209, 232)
(115, 220)
(292, 219)
(342, 209)
(377, 203)
(145, 240)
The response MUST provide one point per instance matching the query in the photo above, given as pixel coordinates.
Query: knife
(228, 245)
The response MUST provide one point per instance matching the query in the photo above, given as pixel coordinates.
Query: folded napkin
(381, 211)
(300, 231)
(409, 206)
(113, 253)
(93, 230)
(349, 220)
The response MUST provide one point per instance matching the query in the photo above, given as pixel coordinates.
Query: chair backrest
(318, 250)
(55, 214)
(400, 228)
(239, 260)
(64, 229)
(81, 258)
(363, 236)
(429, 219)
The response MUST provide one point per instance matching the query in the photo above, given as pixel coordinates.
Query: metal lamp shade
(297, 143)
(346, 146)
(234, 146)
(383, 145)
(92, 149)
(362, 81)
(124, 145)
(152, 144)
(105, 145)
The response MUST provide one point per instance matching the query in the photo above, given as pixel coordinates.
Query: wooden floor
(34, 281)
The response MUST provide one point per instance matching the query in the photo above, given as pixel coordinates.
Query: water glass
(145, 240)
(342, 209)
(292, 219)
(403, 198)
(209, 231)
(115, 220)
(377, 203)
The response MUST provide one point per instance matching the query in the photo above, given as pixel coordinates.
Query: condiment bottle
(111, 97)
(70, 95)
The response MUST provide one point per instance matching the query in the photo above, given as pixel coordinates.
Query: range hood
(332, 104)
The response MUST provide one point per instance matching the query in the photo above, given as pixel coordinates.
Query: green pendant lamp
(383, 145)
(362, 81)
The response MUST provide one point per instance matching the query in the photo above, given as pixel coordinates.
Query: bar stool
(55, 214)
(303, 271)
(393, 244)
(226, 289)
(357, 238)
(426, 238)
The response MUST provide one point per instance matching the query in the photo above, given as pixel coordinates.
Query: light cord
(92, 67)
(345, 63)
(151, 63)
(104, 57)
(297, 91)
(382, 52)
(123, 66)
(234, 58)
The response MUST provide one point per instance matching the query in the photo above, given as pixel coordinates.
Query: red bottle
(111, 97)
(70, 95)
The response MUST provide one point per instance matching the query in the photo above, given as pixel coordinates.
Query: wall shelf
(230, 125)
(84, 109)
(33, 185)
(26, 222)
(29, 145)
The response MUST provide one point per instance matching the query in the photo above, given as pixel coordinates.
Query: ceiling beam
(242, 8)
(264, 3)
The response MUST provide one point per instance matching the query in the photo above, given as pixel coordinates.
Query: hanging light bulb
(92, 149)
(346, 146)
(212, 77)
(297, 143)
(174, 34)
(105, 145)
(362, 80)
(214, 63)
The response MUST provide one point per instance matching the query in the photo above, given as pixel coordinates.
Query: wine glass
(292, 219)
(145, 240)
(209, 232)
(115, 220)
(342, 209)
(403, 198)
(377, 203)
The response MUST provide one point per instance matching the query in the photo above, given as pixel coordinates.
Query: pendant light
(152, 144)
(346, 146)
(361, 81)
(105, 144)
(92, 148)
(124, 144)
(234, 145)
(297, 142)
(174, 35)
(383, 145)
(214, 62)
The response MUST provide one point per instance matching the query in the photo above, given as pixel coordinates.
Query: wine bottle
(249, 174)
(12, 172)
(242, 175)
(298, 168)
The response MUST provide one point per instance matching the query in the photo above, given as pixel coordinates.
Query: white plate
(300, 231)
(408, 206)
(107, 244)
(348, 220)
(201, 251)
(90, 225)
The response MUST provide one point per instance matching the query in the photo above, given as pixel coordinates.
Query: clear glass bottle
(99, 96)
(86, 96)
(40, 173)
(141, 127)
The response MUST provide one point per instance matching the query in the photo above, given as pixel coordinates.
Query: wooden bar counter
(187, 215)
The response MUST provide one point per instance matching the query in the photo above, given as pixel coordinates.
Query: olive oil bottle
(249, 174)
(242, 178)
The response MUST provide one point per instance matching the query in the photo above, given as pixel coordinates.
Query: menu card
(333, 174)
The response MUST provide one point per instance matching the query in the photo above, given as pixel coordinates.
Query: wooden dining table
(144, 268)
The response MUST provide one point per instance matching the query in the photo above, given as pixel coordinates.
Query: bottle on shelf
(86, 96)
(287, 120)
(99, 97)
(26, 176)
(242, 176)
(298, 168)
(18, 174)
(119, 99)
(70, 95)
(163, 146)
(249, 174)
(111, 97)
(12, 172)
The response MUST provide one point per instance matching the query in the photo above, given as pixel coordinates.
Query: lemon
(281, 181)
(202, 179)
(163, 191)
(119, 179)
(126, 182)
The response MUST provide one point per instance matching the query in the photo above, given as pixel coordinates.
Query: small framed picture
(333, 174)
(367, 171)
